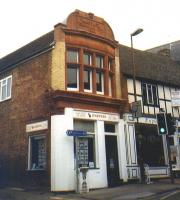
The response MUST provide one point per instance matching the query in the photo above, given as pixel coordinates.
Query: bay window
(89, 71)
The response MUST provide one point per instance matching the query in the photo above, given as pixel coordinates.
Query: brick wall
(30, 81)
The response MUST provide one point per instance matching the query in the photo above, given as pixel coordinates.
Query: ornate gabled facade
(69, 79)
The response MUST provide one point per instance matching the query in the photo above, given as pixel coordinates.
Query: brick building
(67, 79)
(78, 78)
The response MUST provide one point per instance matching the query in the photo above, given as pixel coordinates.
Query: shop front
(102, 157)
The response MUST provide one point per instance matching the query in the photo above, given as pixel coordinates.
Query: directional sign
(76, 133)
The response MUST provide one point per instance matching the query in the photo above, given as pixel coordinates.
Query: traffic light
(170, 124)
(161, 124)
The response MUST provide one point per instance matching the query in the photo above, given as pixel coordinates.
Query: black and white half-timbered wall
(157, 77)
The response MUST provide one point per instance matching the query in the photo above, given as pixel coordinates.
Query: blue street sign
(76, 133)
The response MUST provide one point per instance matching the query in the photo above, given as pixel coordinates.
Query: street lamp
(136, 32)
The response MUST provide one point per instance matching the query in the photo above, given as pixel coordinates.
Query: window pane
(109, 128)
(87, 59)
(72, 56)
(155, 98)
(110, 64)
(38, 153)
(91, 152)
(72, 74)
(110, 86)
(150, 95)
(99, 82)
(87, 79)
(9, 87)
(144, 93)
(84, 125)
(99, 61)
(4, 94)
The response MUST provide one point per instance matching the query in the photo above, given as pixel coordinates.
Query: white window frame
(5, 85)
(42, 136)
(151, 86)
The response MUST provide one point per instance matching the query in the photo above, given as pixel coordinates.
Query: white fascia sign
(175, 98)
(37, 126)
(80, 114)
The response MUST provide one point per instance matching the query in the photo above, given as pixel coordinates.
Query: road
(171, 195)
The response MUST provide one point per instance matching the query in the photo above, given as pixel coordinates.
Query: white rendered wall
(62, 153)
(98, 177)
(122, 151)
(63, 174)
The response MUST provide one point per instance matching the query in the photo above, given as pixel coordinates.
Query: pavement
(162, 189)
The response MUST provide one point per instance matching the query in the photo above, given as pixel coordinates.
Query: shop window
(5, 88)
(88, 80)
(37, 153)
(99, 82)
(150, 96)
(89, 127)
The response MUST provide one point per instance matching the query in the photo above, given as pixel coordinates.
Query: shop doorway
(112, 161)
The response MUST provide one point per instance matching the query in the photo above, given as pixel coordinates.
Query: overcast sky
(22, 21)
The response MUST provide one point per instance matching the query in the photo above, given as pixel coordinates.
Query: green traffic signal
(161, 124)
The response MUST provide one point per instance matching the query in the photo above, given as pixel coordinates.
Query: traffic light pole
(169, 158)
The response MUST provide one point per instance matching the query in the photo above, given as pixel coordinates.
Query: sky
(22, 21)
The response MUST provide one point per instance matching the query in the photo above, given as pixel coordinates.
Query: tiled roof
(37, 46)
(150, 66)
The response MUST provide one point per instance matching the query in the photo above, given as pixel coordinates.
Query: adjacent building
(157, 77)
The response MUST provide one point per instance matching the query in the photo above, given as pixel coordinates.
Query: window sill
(36, 169)
(151, 105)
(93, 168)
